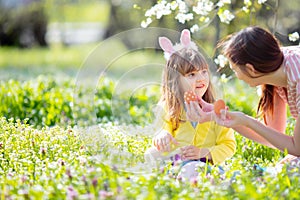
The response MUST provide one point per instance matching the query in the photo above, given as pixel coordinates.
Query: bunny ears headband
(185, 42)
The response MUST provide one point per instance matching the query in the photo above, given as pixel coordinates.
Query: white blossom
(194, 28)
(294, 36)
(245, 9)
(247, 2)
(221, 60)
(261, 1)
(226, 16)
(146, 23)
(173, 5)
(159, 9)
(182, 18)
(221, 3)
(203, 7)
(183, 8)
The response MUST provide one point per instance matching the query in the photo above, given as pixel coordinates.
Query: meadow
(65, 135)
(51, 149)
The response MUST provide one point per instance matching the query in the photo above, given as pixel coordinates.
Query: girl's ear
(166, 45)
(185, 37)
(250, 69)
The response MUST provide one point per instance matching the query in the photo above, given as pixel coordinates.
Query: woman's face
(240, 74)
(197, 81)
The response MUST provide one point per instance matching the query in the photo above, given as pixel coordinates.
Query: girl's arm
(224, 148)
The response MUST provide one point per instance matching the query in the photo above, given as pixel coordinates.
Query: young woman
(187, 70)
(257, 58)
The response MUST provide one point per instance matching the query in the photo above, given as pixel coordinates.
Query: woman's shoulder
(291, 50)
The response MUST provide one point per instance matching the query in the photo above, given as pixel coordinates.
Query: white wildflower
(294, 36)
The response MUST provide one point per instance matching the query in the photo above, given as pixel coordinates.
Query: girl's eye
(204, 71)
(191, 74)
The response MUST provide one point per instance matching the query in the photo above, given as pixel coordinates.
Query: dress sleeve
(225, 145)
(293, 61)
(298, 97)
(161, 122)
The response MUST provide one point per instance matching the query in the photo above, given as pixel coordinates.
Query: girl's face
(197, 81)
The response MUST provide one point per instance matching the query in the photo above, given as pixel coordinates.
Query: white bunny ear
(166, 45)
(185, 37)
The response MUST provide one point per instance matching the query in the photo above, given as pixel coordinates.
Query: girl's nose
(200, 78)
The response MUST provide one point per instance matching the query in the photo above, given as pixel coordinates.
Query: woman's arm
(275, 120)
(274, 137)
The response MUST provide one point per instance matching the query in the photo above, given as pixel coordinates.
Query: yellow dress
(218, 139)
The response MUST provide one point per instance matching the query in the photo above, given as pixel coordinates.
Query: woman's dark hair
(260, 48)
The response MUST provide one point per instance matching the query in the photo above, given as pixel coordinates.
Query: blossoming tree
(198, 14)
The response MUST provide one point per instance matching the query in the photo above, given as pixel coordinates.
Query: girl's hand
(230, 119)
(163, 141)
(195, 113)
(190, 152)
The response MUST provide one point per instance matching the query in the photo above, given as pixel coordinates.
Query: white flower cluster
(294, 36)
(221, 60)
(226, 16)
(203, 7)
(186, 10)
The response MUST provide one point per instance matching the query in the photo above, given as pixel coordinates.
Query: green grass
(106, 162)
(54, 56)
(59, 60)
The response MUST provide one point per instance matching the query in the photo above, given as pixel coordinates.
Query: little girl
(187, 70)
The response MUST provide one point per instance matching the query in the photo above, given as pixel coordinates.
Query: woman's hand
(190, 153)
(230, 119)
(195, 113)
(206, 107)
(163, 141)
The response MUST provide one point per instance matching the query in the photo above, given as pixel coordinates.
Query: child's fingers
(223, 114)
(174, 141)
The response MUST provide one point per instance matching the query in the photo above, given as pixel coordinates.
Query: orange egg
(218, 106)
(190, 96)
